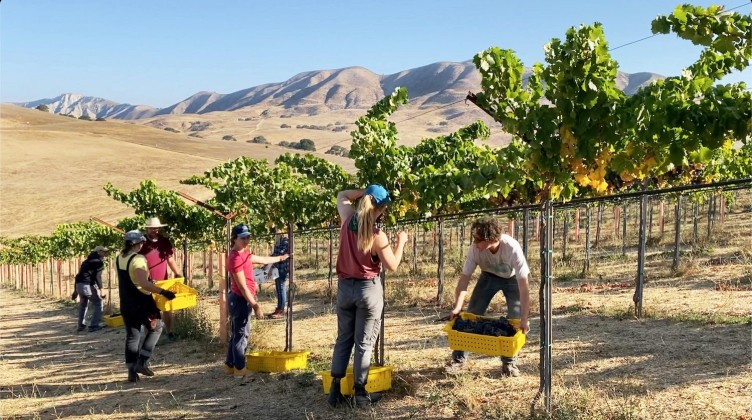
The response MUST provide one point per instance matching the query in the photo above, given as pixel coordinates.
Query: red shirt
(156, 253)
(241, 261)
(352, 262)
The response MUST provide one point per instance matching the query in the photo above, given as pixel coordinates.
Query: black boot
(142, 368)
(363, 398)
(335, 393)
(132, 375)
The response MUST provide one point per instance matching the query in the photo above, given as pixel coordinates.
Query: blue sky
(160, 52)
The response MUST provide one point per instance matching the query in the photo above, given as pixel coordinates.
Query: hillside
(315, 92)
(53, 168)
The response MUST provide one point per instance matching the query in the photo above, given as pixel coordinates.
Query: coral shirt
(241, 261)
(157, 253)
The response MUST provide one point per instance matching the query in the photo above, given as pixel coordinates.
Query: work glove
(168, 294)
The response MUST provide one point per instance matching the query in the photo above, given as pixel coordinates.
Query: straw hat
(153, 222)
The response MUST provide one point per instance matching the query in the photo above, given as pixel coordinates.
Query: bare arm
(172, 265)
(524, 303)
(459, 294)
(391, 258)
(256, 259)
(344, 202)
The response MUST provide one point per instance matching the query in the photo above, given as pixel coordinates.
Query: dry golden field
(53, 168)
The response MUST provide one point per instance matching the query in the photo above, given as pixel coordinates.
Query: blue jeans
(240, 327)
(359, 307)
(280, 286)
(88, 293)
(487, 287)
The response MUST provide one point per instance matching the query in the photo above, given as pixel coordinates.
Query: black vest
(132, 301)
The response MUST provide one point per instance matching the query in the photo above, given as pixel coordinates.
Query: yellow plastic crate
(276, 361)
(159, 283)
(114, 320)
(484, 344)
(379, 379)
(185, 296)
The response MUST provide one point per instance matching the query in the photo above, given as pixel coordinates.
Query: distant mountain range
(314, 92)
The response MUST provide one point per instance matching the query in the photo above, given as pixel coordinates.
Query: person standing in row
(89, 288)
(242, 296)
(159, 252)
(282, 247)
(363, 248)
(503, 268)
(137, 305)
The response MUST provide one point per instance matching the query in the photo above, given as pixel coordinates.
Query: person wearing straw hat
(159, 252)
(89, 288)
(242, 296)
(138, 306)
(363, 249)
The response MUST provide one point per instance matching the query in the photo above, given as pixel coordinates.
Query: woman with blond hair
(363, 249)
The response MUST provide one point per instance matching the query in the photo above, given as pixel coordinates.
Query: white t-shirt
(508, 261)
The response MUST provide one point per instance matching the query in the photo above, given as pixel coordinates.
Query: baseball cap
(379, 194)
(134, 236)
(241, 231)
(101, 248)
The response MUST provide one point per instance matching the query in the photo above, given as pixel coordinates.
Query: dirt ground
(653, 368)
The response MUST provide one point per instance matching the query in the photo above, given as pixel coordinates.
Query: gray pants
(487, 287)
(88, 293)
(359, 307)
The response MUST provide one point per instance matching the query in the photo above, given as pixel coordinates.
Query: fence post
(290, 286)
(677, 233)
(695, 216)
(440, 266)
(331, 258)
(624, 232)
(525, 228)
(565, 235)
(599, 221)
(210, 277)
(637, 298)
(586, 268)
(545, 304)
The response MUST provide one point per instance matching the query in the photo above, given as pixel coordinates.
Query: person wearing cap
(137, 305)
(159, 252)
(503, 268)
(89, 288)
(242, 296)
(363, 251)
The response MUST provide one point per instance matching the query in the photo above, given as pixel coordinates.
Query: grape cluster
(493, 327)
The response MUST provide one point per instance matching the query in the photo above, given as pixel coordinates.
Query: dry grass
(53, 168)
